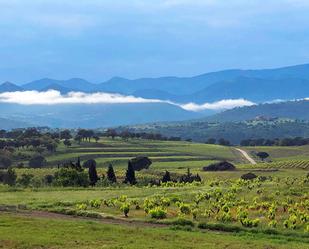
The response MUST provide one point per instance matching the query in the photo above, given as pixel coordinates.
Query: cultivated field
(221, 211)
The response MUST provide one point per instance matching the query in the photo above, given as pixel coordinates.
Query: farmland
(272, 208)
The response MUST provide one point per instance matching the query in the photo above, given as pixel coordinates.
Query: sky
(99, 39)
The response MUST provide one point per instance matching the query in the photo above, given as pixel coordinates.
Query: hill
(95, 115)
(267, 121)
(7, 124)
(9, 87)
(74, 84)
(289, 109)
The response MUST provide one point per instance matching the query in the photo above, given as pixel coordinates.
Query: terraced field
(163, 154)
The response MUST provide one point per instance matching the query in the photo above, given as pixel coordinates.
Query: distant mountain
(8, 124)
(289, 109)
(255, 85)
(57, 87)
(253, 89)
(259, 86)
(74, 84)
(95, 115)
(9, 87)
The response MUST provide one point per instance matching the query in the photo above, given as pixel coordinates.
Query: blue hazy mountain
(94, 115)
(256, 85)
(74, 84)
(9, 87)
(8, 124)
(289, 109)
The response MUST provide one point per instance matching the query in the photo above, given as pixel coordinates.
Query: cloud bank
(219, 105)
(53, 97)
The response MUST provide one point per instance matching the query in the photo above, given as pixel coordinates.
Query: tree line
(297, 141)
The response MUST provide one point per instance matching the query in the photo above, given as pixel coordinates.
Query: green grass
(28, 233)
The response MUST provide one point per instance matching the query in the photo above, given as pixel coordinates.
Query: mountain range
(255, 85)
(258, 86)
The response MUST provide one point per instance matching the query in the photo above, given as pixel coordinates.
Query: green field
(223, 211)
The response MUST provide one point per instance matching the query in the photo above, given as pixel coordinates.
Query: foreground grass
(27, 232)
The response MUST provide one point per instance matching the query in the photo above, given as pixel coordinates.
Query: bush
(125, 208)
(220, 166)
(157, 213)
(37, 161)
(248, 176)
(25, 180)
(66, 177)
(140, 162)
(184, 208)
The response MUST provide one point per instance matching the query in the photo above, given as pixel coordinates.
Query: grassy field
(277, 202)
(28, 233)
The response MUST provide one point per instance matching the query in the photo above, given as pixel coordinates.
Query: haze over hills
(94, 115)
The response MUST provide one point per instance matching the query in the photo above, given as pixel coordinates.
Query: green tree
(130, 174)
(262, 155)
(92, 171)
(67, 142)
(111, 174)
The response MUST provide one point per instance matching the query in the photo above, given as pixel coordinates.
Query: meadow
(270, 211)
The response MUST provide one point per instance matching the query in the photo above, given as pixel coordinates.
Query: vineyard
(274, 202)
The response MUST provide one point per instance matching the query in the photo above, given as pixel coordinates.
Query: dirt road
(246, 155)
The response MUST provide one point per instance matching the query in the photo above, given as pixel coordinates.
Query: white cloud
(53, 97)
(219, 105)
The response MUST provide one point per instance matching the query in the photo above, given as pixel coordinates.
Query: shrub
(184, 208)
(140, 162)
(95, 203)
(25, 180)
(246, 222)
(70, 177)
(220, 166)
(125, 208)
(81, 206)
(248, 176)
(157, 213)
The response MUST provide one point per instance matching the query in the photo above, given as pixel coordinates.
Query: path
(112, 221)
(246, 155)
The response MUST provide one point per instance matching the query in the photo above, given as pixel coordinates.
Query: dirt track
(50, 215)
(246, 155)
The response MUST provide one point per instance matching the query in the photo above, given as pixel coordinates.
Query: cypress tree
(166, 177)
(130, 174)
(92, 171)
(111, 174)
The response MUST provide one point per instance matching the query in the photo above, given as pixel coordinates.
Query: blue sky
(97, 40)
